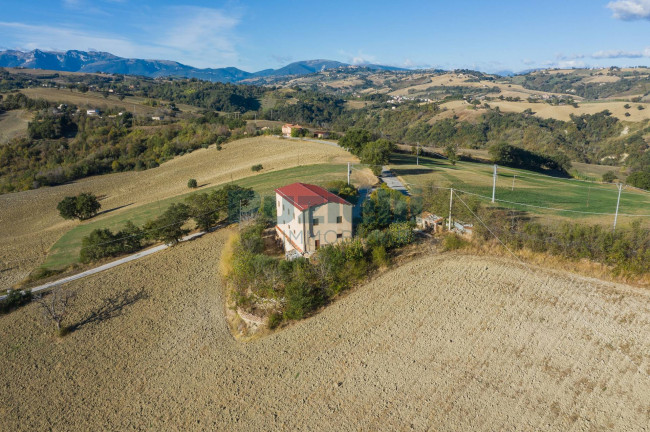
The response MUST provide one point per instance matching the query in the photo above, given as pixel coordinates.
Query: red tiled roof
(304, 196)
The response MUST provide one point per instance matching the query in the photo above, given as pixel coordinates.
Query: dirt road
(444, 343)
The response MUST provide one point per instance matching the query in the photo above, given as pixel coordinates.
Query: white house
(309, 217)
(92, 112)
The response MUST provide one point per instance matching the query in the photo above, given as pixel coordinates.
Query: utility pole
(417, 153)
(513, 182)
(588, 193)
(348, 173)
(618, 201)
(451, 202)
(494, 181)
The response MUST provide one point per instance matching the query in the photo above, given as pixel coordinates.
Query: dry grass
(97, 100)
(451, 342)
(30, 224)
(13, 124)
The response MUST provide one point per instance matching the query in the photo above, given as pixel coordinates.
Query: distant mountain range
(93, 61)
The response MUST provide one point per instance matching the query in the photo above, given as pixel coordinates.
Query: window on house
(315, 222)
(339, 219)
(317, 244)
(338, 236)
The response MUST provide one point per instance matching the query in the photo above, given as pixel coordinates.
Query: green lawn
(66, 250)
(529, 188)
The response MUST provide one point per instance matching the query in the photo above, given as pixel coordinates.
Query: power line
(544, 177)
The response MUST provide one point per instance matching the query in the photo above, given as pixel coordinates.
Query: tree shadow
(110, 307)
(113, 209)
(412, 171)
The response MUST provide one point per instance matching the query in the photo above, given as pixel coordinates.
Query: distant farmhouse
(310, 217)
(92, 112)
(288, 128)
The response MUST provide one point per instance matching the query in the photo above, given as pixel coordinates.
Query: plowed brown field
(445, 343)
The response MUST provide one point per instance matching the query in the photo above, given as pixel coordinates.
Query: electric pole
(451, 202)
(618, 201)
(494, 181)
(417, 155)
(513, 182)
(348, 173)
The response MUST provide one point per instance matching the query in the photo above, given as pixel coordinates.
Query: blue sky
(256, 34)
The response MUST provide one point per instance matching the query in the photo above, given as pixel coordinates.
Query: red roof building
(309, 216)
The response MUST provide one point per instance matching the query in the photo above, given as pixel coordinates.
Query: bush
(453, 242)
(82, 207)
(192, 184)
(301, 298)
(609, 176)
(15, 299)
(275, 319)
(380, 257)
(400, 233)
(257, 168)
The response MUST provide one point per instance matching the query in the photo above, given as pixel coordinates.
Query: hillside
(447, 343)
(93, 62)
(31, 223)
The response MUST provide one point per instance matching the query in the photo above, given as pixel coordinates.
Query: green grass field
(65, 251)
(529, 188)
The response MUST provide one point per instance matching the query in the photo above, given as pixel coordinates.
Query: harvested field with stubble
(445, 342)
(30, 223)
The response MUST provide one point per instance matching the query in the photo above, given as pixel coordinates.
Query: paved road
(388, 177)
(107, 266)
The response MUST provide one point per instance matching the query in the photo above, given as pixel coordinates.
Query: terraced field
(443, 343)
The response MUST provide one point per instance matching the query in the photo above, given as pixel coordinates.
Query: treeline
(207, 210)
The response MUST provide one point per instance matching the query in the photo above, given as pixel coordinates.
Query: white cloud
(569, 56)
(565, 64)
(200, 37)
(613, 54)
(630, 9)
(29, 37)
(359, 58)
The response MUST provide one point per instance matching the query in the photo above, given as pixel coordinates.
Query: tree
(192, 184)
(87, 205)
(640, 179)
(233, 198)
(168, 227)
(55, 306)
(450, 153)
(355, 140)
(203, 208)
(82, 207)
(376, 154)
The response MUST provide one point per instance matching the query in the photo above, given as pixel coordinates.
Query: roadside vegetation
(626, 250)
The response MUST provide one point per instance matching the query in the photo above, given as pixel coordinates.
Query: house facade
(309, 217)
(288, 128)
